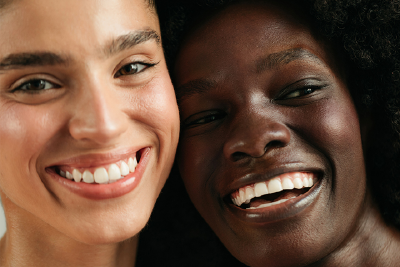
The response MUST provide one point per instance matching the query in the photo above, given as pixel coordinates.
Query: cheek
(188, 161)
(190, 157)
(198, 164)
(157, 112)
(333, 128)
(340, 136)
(158, 109)
(335, 132)
(24, 133)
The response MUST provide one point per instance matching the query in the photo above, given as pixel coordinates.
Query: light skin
(83, 85)
(261, 98)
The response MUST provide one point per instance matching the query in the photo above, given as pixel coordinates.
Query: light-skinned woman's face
(84, 93)
(270, 149)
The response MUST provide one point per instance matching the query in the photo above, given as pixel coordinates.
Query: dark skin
(263, 97)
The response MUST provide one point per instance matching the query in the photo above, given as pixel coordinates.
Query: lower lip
(282, 211)
(107, 191)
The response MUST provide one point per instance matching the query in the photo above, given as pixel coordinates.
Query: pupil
(130, 68)
(308, 91)
(37, 85)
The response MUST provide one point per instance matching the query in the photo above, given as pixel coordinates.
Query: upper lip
(266, 175)
(98, 159)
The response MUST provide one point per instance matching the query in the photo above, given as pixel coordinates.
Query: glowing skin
(262, 99)
(71, 101)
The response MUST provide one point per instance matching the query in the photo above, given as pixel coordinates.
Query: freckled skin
(251, 121)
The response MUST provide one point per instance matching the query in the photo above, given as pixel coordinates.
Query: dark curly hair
(368, 33)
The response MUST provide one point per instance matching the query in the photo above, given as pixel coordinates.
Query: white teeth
(114, 173)
(234, 201)
(242, 196)
(132, 164)
(305, 182)
(284, 182)
(260, 189)
(274, 186)
(287, 184)
(297, 183)
(88, 177)
(124, 168)
(68, 175)
(249, 194)
(77, 175)
(101, 176)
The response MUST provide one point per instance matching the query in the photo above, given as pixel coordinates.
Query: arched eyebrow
(130, 40)
(198, 86)
(44, 58)
(284, 57)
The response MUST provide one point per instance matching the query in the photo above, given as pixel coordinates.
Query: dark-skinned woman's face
(270, 150)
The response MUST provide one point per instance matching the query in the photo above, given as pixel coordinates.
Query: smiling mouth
(105, 174)
(275, 191)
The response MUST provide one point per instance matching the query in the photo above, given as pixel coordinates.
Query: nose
(254, 134)
(97, 117)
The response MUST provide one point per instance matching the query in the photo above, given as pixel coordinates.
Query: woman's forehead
(71, 27)
(246, 34)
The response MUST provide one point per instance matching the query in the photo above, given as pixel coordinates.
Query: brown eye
(203, 118)
(36, 85)
(300, 92)
(131, 69)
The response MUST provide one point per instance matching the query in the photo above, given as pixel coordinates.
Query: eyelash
(217, 115)
(188, 123)
(306, 90)
(39, 83)
(133, 71)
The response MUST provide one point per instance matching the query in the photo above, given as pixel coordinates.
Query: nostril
(238, 156)
(273, 144)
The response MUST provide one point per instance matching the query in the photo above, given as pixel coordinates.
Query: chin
(107, 235)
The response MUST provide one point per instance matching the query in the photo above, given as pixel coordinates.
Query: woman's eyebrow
(20, 60)
(34, 59)
(198, 86)
(130, 40)
(284, 57)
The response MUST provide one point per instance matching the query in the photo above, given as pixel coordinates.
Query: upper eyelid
(18, 82)
(33, 77)
(148, 64)
(136, 58)
(19, 87)
(202, 114)
(117, 75)
(301, 84)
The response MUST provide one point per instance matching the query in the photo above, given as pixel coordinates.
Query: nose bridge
(97, 115)
(256, 129)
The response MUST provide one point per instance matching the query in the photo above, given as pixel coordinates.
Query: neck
(31, 242)
(373, 243)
